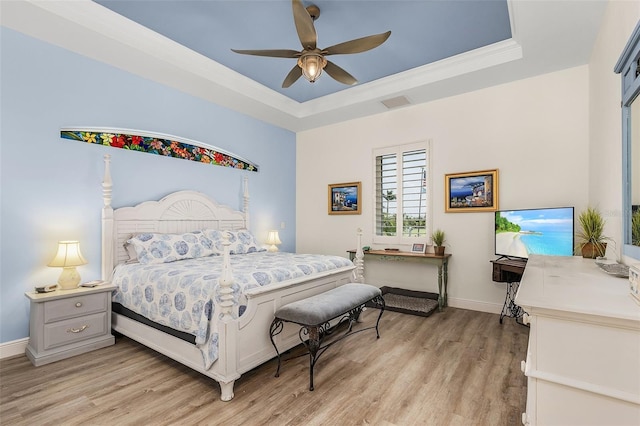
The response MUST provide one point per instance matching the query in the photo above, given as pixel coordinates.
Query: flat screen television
(520, 233)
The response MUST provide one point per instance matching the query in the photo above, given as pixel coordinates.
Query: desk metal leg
(510, 309)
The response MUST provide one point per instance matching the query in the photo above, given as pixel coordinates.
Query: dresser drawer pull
(78, 330)
(78, 304)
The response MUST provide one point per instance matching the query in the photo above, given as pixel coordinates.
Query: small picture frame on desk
(418, 248)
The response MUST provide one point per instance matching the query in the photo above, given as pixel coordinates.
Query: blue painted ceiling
(422, 32)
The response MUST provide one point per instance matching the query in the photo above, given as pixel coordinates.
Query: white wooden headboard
(181, 211)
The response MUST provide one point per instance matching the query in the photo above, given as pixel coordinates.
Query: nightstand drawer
(75, 330)
(72, 307)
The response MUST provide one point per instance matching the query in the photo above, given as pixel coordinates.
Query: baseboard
(13, 348)
(473, 305)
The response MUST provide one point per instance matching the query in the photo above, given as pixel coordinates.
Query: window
(402, 207)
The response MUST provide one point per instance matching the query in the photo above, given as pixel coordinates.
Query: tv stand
(509, 270)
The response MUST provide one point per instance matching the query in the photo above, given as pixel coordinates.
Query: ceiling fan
(311, 60)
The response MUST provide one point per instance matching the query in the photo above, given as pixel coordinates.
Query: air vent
(396, 102)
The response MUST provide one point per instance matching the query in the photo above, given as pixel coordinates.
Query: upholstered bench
(314, 314)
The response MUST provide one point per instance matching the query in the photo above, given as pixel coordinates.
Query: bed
(241, 311)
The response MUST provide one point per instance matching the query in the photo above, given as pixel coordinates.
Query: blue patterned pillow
(242, 241)
(164, 248)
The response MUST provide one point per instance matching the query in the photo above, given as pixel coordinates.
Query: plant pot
(593, 250)
(439, 250)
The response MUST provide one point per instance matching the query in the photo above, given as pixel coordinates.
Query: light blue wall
(51, 187)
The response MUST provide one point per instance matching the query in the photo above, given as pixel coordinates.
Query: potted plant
(438, 241)
(592, 242)
(635, 228)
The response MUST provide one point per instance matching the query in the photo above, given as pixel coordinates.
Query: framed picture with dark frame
(418, 248)
(471, 191)
(345, 198)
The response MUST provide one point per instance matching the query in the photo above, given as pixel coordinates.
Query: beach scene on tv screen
(520, 233)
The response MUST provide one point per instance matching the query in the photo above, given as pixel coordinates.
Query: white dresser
(583, 359)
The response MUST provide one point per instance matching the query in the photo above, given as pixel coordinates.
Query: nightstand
(64, 323)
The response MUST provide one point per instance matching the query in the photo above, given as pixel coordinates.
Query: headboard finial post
(107, 183)
(358, 273)
(107, 222)
(245, 204)
(225, 290)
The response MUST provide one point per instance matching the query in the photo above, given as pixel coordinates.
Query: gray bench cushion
(318, 309)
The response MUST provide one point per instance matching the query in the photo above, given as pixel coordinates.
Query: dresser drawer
(72, 307)
(74, 330)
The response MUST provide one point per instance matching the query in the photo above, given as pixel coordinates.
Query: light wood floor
(458, 367)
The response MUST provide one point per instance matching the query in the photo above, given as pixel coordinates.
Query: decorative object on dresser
(68, 257)
(68, 323)
(634, 282)
(225, 333)
(584, 344)
(471, 191)
(345, 198)
(593, 242)
(273, 239)
(438, 238)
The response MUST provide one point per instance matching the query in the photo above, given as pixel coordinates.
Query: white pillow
(242, 241)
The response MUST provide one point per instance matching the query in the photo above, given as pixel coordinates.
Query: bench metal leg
(313, 344)
(379, 301)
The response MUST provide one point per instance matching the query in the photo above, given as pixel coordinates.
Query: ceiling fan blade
(304, 25)
(274, 53)
(292, 77)
(339, 74)
(358, 45)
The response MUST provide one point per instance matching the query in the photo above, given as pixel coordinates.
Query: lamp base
(272, 248)
(69, 278)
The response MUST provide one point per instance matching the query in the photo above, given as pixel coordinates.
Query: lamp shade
(272, 239)
(68, 257)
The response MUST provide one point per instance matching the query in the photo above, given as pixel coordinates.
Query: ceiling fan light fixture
(312, 65)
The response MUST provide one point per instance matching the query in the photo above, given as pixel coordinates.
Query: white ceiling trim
(91, 30)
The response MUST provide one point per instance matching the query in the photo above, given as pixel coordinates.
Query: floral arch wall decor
(159, 144)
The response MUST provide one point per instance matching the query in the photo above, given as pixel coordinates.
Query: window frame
(399, 239)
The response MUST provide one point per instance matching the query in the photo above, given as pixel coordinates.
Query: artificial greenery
(592, 230)
(635, 228)
(438, 237)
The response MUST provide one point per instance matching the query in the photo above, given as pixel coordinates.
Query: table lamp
(68, 257)
(272, 240)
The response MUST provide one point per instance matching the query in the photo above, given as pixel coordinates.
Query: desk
(440, 261)
(509, 271)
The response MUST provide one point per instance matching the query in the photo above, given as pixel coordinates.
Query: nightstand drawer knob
(78, 330)
(78, 304)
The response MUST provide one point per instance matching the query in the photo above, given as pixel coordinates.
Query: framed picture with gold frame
(345, 198)
(471, 191)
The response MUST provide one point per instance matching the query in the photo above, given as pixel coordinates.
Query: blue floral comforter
(181, 294)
